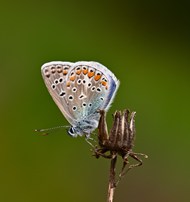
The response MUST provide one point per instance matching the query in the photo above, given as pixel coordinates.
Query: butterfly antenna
(47, 131)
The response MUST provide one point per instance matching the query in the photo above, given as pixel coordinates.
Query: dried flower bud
(120, 140)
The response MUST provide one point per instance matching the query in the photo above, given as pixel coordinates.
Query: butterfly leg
(87, 138)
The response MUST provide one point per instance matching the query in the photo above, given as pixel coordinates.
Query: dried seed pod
(120, 140)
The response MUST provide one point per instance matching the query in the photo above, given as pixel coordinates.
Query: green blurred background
(146, 44)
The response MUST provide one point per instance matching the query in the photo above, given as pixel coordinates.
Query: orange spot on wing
(90, 74)
(104, 83)
(72, 78)
(65, 72)
(97, 77)
(85, 71)
(68, 83)
(78, 72)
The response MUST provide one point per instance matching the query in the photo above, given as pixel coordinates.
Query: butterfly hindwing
(91, 88)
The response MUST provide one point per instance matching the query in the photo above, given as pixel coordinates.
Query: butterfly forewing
(54, 75)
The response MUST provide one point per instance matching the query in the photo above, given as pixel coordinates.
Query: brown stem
(112, 184)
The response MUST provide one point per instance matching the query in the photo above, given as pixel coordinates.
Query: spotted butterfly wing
(54, 75)
(80, 89)
(91, 86)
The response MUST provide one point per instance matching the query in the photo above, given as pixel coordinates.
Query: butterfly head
(85, 126)
(72, 132)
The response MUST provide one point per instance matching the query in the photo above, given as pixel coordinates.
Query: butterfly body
(80, 89)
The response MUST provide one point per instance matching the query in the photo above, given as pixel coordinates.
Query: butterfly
(80, 89)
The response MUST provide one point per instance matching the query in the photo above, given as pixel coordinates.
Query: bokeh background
(146, 44)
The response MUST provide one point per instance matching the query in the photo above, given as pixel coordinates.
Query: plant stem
(112, 184)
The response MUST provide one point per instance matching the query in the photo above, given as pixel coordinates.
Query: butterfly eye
(71, 132)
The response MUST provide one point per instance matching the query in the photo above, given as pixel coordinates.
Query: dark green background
(146, 45)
